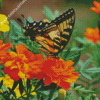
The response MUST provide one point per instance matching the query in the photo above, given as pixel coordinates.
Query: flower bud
(61, 94)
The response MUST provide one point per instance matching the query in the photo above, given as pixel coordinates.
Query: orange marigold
(21, 63)
(92, 35)
(59, 72)
(96, 8)
(4, 47)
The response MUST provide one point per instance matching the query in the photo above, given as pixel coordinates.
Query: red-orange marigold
(96, 8)
(3, 48)
(92, 35)
(59, 72)
(22, 63)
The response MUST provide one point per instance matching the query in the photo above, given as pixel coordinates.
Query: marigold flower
(8, 82)
(59, 72)
(4, 47)
(92, 35)
(96, 8)
(4, 23)
(22, 63)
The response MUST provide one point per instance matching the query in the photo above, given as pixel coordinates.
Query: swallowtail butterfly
(52, 36)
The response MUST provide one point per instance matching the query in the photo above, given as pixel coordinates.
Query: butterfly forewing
(65, 24)
(59, 32)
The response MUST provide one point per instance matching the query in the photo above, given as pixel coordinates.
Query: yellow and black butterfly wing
(59, 32)
(48, 44)
(65, 24)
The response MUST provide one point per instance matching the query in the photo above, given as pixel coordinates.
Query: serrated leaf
(93, 70)
(86, 64)
(85, 75)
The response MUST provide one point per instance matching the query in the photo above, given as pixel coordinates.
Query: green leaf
(85, 75)
(0, 4)
(29, 19)
(86, 64)
(28, 84)
(93, 70)
(21, 87)
(95, 82)
(83, 41)
(15, 85)
(52, 90)
(11, 33)
(40, 82)
(56, 13)
(49, 14)
(5, 34)
(77, 87)
(97, 98)
(80, 63)
(15, 28)
(1, 36)
(80, 98)
(1, 83)
(88, 97)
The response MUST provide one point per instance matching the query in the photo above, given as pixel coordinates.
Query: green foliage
(49, 14)
(0, 4)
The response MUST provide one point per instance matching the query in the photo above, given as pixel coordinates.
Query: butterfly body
(52, 36)
(35, 28)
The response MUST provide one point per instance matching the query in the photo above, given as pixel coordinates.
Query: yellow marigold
(4, 23)
(96, 8)
(8, 82)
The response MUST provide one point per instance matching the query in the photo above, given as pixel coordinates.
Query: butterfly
(53, 36)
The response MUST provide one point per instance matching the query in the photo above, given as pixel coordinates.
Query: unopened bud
(61, 94)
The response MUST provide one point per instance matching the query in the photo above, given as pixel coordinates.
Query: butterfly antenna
(20, 20)
(25, 19)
